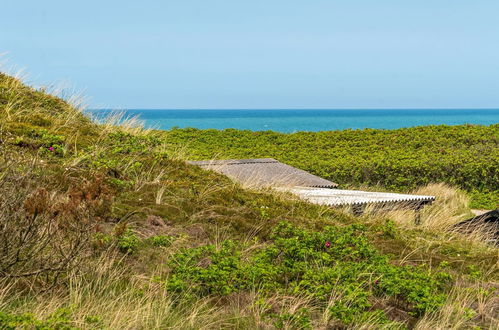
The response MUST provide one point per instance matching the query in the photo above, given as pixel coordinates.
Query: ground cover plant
(466, 156)
(316, 264)
(106, 226)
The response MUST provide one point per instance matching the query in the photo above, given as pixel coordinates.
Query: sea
(289, 120)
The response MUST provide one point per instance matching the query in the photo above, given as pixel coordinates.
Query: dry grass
(466, 304)
(108, 292)
(437, 227)
(24, 103)
(118, 121)
(176, 153)
(449, 208)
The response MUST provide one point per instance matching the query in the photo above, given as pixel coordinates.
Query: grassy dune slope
(105, 226)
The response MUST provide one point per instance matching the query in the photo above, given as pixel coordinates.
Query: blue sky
(260, 53)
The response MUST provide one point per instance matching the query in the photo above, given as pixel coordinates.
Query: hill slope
(104, 226)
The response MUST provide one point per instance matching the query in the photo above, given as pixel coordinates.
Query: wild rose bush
(337, 263)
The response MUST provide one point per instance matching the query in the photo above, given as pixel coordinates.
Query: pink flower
(328, 244)
(51, 148)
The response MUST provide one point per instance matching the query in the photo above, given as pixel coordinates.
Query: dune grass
(160, 241)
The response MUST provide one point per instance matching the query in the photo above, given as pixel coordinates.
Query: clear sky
(260, 53)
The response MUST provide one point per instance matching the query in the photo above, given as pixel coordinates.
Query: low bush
(43, 234)
(161, 240)
(336, 267)
(59, 320)
(128, 242)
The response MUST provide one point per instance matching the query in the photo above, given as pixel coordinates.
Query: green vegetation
(466, 156)
(335, 260)
(105, 226)
(58, 320)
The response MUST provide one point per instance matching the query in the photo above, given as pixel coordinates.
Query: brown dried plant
(42, 233)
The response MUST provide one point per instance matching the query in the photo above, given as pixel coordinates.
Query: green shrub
(58, 320)
(128, 242)
(338, 261)
(161, 240)
(126, 143)
(485, 199)
(389, 229)
(47, 143)
(473, 272)
(120, 184)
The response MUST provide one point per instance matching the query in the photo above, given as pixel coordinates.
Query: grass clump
(24, 109)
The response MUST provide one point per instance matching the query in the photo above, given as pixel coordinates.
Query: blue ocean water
(307, 120)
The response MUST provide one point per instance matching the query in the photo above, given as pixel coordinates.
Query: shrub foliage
(337, 268)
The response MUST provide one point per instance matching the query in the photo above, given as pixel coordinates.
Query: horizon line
(287, 109)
